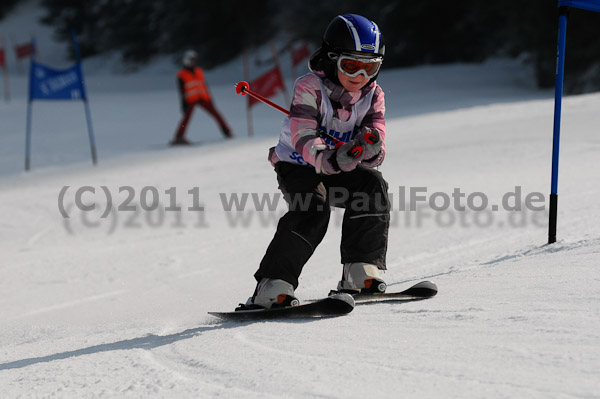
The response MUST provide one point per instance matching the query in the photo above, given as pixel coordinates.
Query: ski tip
(426, 284)
(425, 288)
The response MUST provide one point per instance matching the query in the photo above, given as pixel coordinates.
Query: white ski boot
(361, 277)
(272, 293)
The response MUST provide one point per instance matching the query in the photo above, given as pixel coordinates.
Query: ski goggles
(353, 65)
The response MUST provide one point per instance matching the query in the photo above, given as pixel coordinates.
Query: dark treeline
(6, 6)
(416, 32)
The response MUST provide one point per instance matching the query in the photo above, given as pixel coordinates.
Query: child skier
(341, 98)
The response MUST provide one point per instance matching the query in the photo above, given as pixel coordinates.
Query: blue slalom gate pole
(28, 122)
(560, 69)
(28, 138)
(88, 118)
(88, 115)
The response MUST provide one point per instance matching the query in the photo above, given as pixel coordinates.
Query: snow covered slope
(116, 306)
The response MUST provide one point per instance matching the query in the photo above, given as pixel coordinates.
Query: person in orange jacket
(194, 91)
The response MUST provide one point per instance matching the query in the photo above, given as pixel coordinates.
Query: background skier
(193, 91)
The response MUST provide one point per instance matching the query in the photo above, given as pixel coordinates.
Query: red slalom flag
(2, 58)
(24, 50)
(300, 54)
(266, 85)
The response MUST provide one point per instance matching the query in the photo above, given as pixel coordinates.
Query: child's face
(352, 84)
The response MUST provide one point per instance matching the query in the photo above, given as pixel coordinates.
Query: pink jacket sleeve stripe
(304, 116)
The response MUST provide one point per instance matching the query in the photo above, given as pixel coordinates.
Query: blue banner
(47, 83)
(591, 5)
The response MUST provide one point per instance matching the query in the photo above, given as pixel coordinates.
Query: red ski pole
(243, 88)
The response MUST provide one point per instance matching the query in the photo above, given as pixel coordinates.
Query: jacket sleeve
(375, 119)
(180, 87)
(305, 116)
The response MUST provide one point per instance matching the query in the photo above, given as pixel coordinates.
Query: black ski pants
(362, 192)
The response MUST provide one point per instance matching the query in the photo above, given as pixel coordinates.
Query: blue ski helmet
(351, 32)
(347, 33)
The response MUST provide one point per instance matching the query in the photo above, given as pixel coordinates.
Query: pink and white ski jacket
(320, 103)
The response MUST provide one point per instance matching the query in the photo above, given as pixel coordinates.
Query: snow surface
(117, 306)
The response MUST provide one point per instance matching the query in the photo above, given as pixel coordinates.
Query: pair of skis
(336, 304)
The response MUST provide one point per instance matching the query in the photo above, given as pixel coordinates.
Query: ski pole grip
(371, 137)
(355, 151)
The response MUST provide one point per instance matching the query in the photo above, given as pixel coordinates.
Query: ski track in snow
(65, 305)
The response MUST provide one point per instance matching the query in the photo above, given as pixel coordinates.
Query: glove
(371, 142)
(342, 159)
